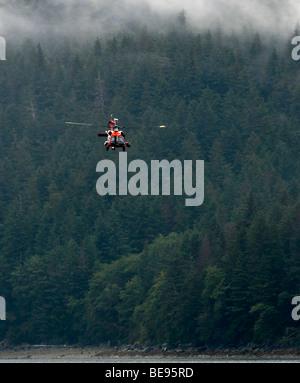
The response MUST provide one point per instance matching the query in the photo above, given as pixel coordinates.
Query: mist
(272, 16)
(89, 18)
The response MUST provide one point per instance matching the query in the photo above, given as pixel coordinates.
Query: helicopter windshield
(117, 139)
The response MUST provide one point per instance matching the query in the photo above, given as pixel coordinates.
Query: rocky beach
(66, 352)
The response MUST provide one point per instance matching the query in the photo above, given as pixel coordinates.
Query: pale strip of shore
(92, 353)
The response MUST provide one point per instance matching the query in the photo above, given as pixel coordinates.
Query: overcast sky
(97, 16)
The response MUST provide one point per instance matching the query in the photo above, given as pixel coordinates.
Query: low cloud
(93, 17)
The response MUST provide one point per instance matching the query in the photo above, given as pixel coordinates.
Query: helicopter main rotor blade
(78, 123)
(147, 127)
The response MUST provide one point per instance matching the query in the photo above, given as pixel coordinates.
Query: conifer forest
(80, 268)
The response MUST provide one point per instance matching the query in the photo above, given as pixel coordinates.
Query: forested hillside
(80, 268)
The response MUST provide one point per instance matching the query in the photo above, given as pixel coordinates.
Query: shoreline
(94, 352)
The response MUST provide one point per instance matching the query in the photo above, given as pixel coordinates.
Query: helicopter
(114, 134)
(115, 137)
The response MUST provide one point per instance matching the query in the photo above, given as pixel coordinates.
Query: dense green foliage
(77, 267)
